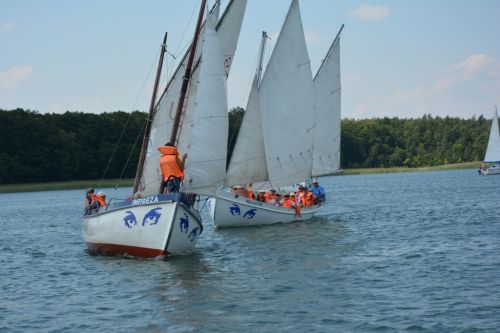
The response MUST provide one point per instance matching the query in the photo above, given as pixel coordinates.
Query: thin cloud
(368, 12)
(474, 65)
(453, 92)
(14, 76)
(7, 25)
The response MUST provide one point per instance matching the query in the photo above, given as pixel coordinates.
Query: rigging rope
(131, 152)
(127, 122)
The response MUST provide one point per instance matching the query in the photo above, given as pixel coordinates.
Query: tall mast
(261, 56)
(329, 50)
(187, 76)
(147, 130)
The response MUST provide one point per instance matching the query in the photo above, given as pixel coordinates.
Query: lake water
(408, 252)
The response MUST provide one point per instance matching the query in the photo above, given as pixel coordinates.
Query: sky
(398, 58)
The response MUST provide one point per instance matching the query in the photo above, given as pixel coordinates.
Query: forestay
(286, 101)
(327, 94)
(493, 148)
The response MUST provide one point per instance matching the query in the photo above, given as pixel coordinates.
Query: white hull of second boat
(492, 170)
(229, 210)
(148, 227)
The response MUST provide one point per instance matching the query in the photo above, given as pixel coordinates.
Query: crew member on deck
(308, 198)
(319, 193)
(172, 168)
(89, 193)
(250, 194)
(101, 198)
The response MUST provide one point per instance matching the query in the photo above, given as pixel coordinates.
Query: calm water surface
(409, 252)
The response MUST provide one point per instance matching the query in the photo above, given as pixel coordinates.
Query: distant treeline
(426, 141)
(37, 147)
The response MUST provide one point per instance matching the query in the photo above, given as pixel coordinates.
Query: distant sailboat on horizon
(491, 160)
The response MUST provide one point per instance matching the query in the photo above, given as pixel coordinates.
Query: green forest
(36, 147)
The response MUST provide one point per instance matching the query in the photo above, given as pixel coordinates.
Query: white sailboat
(492, 156)
(280, 142)
(191, 107)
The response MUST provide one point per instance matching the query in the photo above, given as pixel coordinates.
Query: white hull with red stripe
(230, 210)
(154, 226)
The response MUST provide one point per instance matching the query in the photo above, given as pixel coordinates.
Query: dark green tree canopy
(38, 147)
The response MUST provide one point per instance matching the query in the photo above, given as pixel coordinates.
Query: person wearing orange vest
(172, 168)
(94, 201)
(260, 196)
(101, 198)
(270, 197)
(295, 203)
(308, 198)
(287, 202)
(299, 194)
(251, 195)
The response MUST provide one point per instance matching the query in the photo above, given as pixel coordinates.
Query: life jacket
(101, 200)
(251, 195)
(309, 199)
(287, 203)
(270, 198)
(94, 201)
(169, 164)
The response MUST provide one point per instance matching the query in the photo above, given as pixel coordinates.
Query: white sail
(228, 30)
(327, 92)
(493, 148)
(248, 160)
(162, 124)
(286, 101)
(213, 16)
(207, 138)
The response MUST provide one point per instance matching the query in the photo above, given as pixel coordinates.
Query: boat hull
(148, 227)
(229, 210)
(492, 170)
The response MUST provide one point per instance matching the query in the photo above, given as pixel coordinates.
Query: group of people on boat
(172, 169)
(94, 201)
(302, 197)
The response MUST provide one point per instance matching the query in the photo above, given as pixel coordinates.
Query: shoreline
(107, 183)
(453, 166)
(66, 185)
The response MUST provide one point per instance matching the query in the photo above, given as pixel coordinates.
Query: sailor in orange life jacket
(270, 197)
(308, 198)
(172, 168)
(295, 203)
(287, 202)
(251, 195)
(101, 198)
